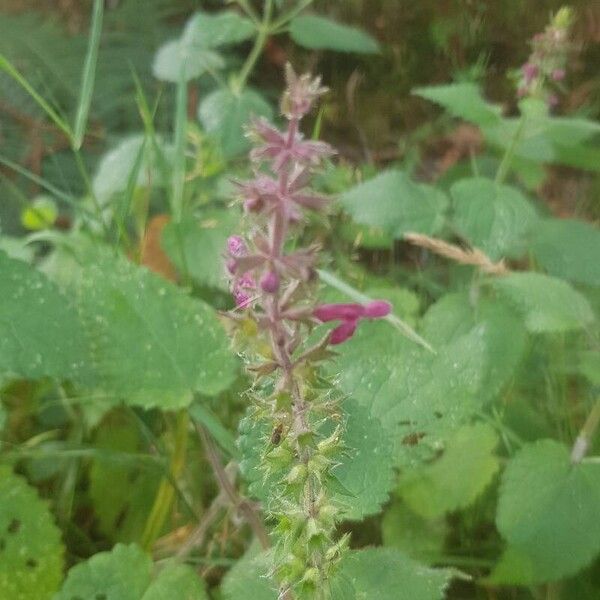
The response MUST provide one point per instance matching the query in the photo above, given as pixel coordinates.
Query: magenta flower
(284, 149)
(350, 315)
(530, 72)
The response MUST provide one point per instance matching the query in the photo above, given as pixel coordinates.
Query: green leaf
(457, 478)
(568, 249)
(174, 56)
(419, 396)
(368, 470)
(122, 574)
(387, 574)
(320, 33)
(211, 30)
(122, 494)
(31, 555)
(116, 166)
(152, 344)
(40, 335)
(177, 582)
(453, 315)
(493, 218)
(462, 100)
(224, 114)
(405, 530)
(548, 514)
(547, 304)
(395, 205)
(196, 246)
(247, 579)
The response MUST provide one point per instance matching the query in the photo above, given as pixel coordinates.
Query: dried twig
(472, 256)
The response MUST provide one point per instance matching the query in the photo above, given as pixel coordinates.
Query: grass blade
(9, 69)
(178, 174)
(89, 74)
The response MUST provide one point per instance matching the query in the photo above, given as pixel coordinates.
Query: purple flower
(350, 315)
(283, 149)
(236, 246)
(269, 282)
(530, 72)
(240, 289)
(300, 94)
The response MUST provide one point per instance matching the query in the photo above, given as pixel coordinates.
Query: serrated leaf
(568, 249)
(368, 470)
(40, 334)
(457, 478)
(122, 494)
(116, 166)
(224, 114)
(418, 395)
(174, 56)
(463, 100)
(31, 551)
(405, 530)
(177, 582)
(121, 574)
(395, 205)
(548, 514)
(387, 574)
(320, 33)
(151, 343)
(211, 30)
(494, 218)
(547, 304)
(453, 315)
(196, 246)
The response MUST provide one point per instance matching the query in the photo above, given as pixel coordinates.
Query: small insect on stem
(276, 435)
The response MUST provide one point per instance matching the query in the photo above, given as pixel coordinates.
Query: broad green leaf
(395, 205)
(387, 574)
(405, 530)
(320, 33)
(224, 114)
(31, 551)
(419, 396)
(175, 56)
(121, 574)
(151, 343)
(40, 334)
(547, 304)
(453, 315)
(247, 579)
(177, 582)
(462, 100)
(116, 166)
(122, 494)
(548, 514)
(196, 246)
(568, 249)
(493, 218)
(368, 470)
(211, 30)
(457, 478)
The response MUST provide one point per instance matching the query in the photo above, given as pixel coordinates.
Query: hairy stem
(582, 442)
(259, 43)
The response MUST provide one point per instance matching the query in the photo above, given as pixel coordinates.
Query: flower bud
(236, 246)
(378, 309)
(269, 282)
(231, 265)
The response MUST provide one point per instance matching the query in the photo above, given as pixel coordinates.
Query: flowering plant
(274, 288)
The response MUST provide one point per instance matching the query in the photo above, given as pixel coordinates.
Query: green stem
(582, 442)
(166, 491)
(510, 152)
(259, 43)
(291, 14)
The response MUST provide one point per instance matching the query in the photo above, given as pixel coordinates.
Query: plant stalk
(582, 442)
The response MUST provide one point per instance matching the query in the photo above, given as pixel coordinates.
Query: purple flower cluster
(265, 278)
(546, 66)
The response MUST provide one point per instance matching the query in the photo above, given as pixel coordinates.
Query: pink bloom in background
(350, 315)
